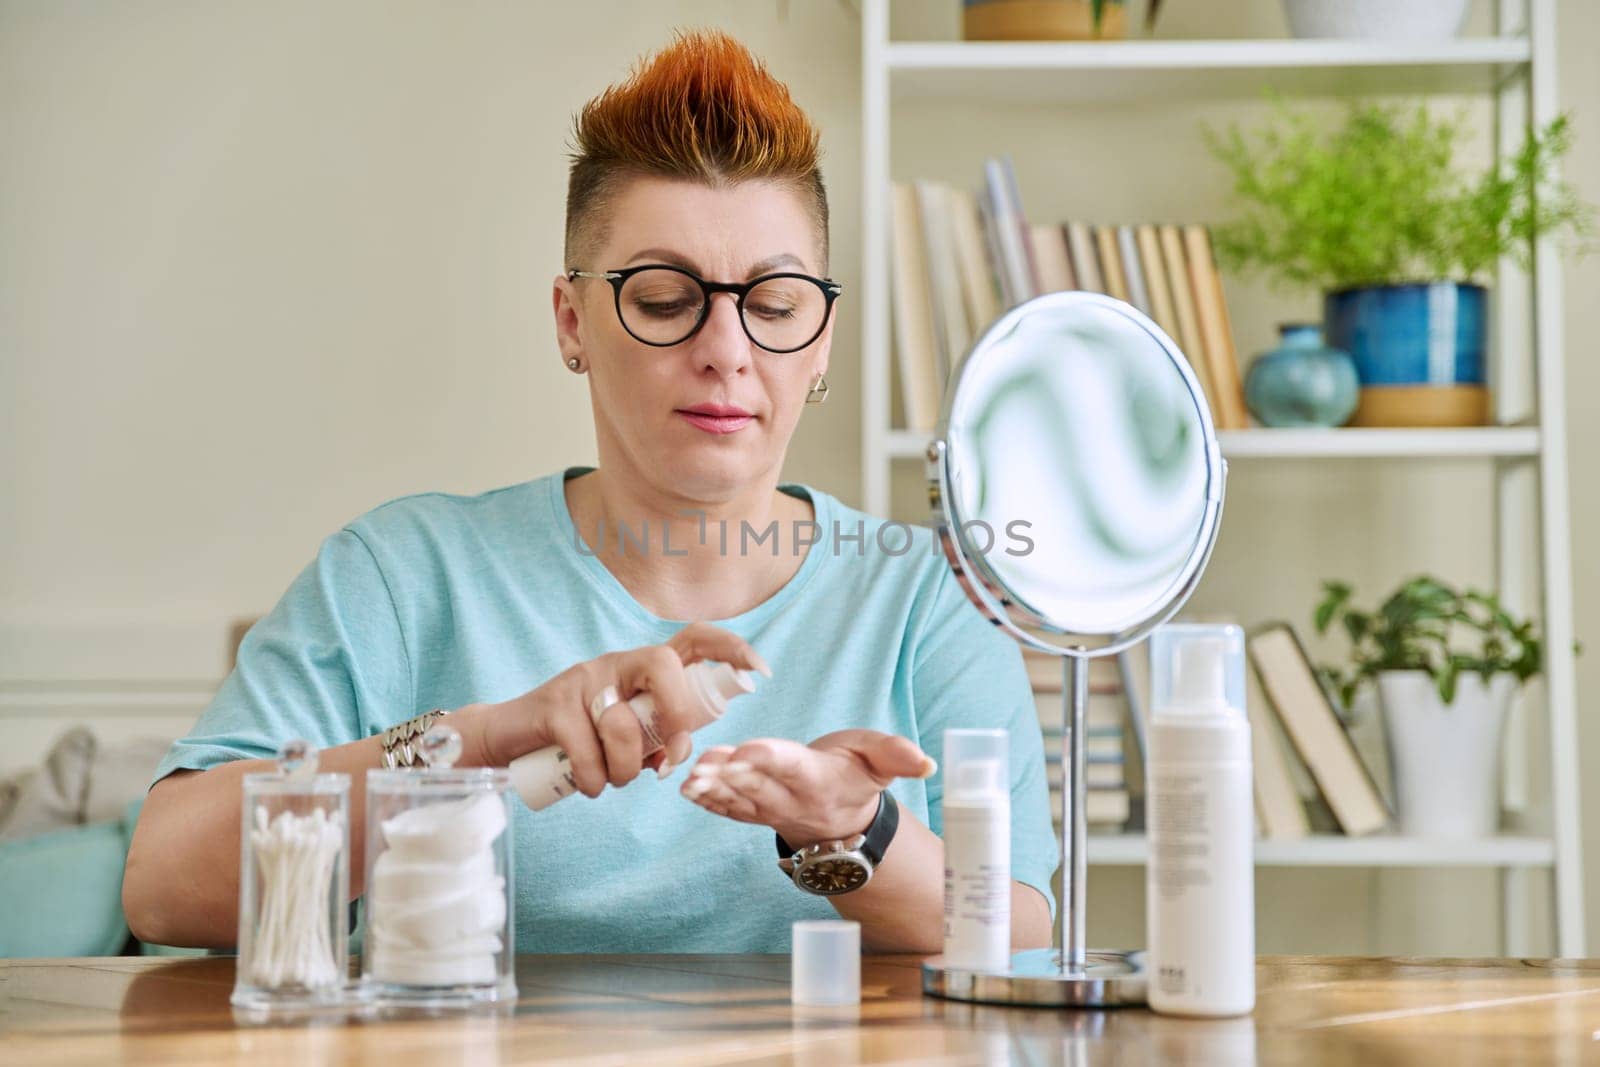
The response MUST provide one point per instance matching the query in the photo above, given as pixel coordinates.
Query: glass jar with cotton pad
(294, 886)
(439, 910)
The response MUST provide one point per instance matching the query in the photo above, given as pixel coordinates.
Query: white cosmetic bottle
(1200, 878)
(544, 776)
(976, 810)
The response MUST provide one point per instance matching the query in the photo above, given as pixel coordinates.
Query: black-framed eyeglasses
(663, 306)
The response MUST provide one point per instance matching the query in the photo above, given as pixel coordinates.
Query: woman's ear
(824, 345)
(569, 327)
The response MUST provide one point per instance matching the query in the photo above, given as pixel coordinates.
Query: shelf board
(1182, 70)
(1486, 441)
(1380, 850)
(1392, 444)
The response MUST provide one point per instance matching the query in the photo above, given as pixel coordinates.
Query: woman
(529, 612)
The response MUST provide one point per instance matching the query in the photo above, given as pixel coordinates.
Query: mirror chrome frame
(985, 587)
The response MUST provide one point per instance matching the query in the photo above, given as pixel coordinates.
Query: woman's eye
(663, 310)
(768, 311)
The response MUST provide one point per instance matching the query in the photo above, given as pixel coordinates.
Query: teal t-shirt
(439, 601)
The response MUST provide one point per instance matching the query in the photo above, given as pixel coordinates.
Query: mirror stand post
(1072, 944)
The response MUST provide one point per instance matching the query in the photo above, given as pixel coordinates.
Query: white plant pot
(1445, 758)
(1407, 20)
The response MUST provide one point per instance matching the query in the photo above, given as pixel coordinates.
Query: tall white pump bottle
(1200, 880)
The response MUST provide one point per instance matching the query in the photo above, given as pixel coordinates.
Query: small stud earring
(574, 364)
(818, 392)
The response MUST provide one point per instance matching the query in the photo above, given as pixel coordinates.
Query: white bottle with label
(976, 810)
(544, 776)
(1200, 878)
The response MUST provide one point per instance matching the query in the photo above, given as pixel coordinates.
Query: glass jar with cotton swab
(294, 886)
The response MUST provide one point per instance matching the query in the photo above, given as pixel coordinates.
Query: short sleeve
(966, 673)
(325, 665)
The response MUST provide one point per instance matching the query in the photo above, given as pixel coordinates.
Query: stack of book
(1107, 804)
(1289, 703)
(962, 258)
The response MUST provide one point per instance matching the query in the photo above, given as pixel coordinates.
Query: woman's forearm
(181, 883)
(902, 908)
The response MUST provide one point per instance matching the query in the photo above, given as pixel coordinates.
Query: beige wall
(263, 266)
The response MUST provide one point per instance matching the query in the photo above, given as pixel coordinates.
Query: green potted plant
(1445, 665)
(1377, 213)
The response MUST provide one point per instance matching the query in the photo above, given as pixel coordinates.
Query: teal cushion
(63, 893)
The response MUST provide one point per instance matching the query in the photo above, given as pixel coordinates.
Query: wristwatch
(401, 742)
(830, 868)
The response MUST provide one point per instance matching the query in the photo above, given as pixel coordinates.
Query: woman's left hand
(825, 791)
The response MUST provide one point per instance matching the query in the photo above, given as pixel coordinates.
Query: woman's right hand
(608, 747)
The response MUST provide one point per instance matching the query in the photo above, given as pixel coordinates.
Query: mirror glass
(1082, 477)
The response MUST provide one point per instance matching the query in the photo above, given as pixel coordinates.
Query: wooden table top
(699, 1010)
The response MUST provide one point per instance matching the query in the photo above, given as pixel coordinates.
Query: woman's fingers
(658, 671)
(701, 640)
(889, 757)
(680, 747)
(622, 739)
(768, 795)
(572, 728)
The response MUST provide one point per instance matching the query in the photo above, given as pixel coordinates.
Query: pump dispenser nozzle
(1199, 679)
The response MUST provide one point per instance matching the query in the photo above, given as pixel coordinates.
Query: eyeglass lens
(663, 306)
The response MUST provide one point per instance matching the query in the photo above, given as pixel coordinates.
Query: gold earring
(818, 392)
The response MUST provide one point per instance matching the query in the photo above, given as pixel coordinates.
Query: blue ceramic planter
(1302, 382)
(1424, 334)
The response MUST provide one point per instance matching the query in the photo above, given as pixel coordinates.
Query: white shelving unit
(1527, 448)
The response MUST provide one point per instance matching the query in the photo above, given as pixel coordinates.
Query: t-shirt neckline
(614, 592)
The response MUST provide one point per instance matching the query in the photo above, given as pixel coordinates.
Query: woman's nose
(721, 342)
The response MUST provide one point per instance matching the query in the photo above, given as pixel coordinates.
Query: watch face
(832, 876)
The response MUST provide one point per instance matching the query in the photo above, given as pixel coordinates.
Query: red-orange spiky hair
(703, 109)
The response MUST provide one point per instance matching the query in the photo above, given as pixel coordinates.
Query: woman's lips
(716, 420)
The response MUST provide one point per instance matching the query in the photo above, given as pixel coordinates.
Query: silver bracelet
(401, 742)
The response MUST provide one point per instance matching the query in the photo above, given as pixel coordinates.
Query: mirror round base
(1107, 980)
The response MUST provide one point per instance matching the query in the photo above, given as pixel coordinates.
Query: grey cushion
(53, 796)
(120, 774)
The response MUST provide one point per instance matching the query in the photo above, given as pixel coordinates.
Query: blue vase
(1423, 334)
(1302, 382)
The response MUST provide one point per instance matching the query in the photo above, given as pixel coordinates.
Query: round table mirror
(1077, 488)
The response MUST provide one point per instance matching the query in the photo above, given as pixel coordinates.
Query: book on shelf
(1050, 253)
(1316, 731)
(1280, 809)
(1013, 261)
(1179, 283)
(1133, 667)
(952, 334)
(979, 290)
(1155, 280)
(1047, 673)
(1133, 269)
(1085, 261)
(915, 323)
(1105, 241)
(1216, 331)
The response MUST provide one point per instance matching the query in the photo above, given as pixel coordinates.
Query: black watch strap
(878, 835)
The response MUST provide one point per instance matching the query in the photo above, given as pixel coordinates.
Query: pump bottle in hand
(544, 776)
